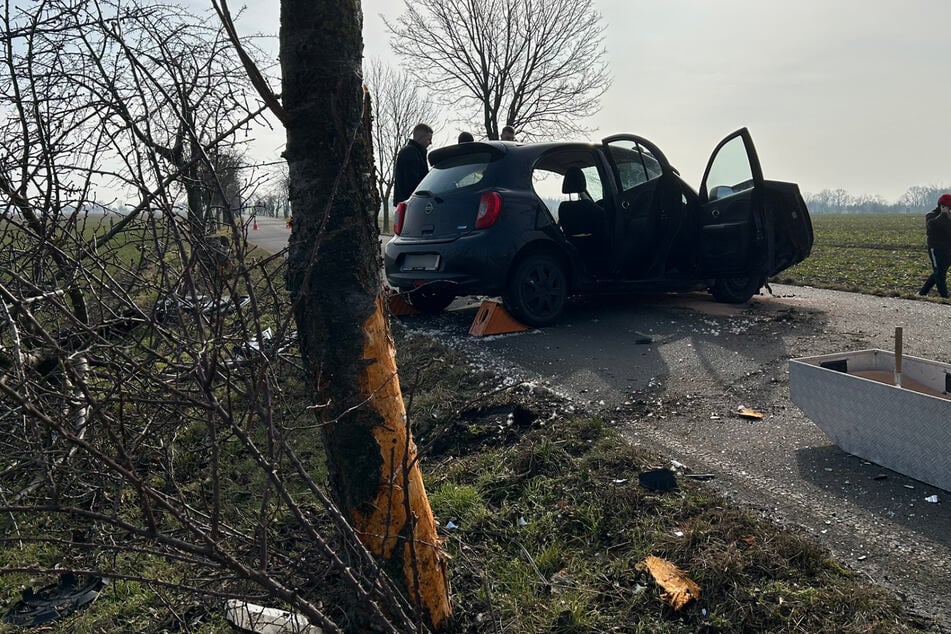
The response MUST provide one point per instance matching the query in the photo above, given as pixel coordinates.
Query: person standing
(938, 226)
(465, 137)
(508, 134)
(410, 165)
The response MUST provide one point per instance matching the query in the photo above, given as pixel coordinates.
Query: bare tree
(177, 88)
(144, 370)
(335, 280)
(147, 433)
(222, 189)
(398, 107)
(536, 65)
(921, 197)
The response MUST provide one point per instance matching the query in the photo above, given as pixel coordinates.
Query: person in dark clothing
(508, 134)
(465, 137)
(938, 225)
(410, 165)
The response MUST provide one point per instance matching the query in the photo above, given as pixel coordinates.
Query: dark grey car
(616, 218)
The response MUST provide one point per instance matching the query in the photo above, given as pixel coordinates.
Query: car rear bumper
(473, 264)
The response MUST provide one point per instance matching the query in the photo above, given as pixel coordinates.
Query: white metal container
(853, 398)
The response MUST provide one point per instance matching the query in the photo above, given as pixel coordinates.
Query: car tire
(536, 291)
(430, 300)
(736, 290)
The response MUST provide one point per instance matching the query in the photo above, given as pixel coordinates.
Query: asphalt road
(670, 371)
(271, 233)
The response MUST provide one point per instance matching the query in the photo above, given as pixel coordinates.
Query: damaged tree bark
(335, 280)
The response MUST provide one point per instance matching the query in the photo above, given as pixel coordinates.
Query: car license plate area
(420, 262)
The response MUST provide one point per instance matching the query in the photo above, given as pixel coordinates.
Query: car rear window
(456, 172)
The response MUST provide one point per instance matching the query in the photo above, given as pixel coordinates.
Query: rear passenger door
(638, 167)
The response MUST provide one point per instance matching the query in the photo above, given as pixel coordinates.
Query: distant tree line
(916, 199)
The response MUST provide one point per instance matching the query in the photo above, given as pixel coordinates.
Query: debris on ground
(55, 601)
(248, 617)
(746, 412)
(679, 588)
(658, 480)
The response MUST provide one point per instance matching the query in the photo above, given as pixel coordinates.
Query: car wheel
(536, 291)
(736, 290)
(430, 300)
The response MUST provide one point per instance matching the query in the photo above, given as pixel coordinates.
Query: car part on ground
(55, 601)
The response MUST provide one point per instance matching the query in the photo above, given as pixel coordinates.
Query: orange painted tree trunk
(335, 281)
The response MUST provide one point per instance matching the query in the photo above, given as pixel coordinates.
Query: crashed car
(536, 223)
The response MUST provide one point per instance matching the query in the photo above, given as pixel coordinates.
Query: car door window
(634, 163)
(592, 180)
(730, 171)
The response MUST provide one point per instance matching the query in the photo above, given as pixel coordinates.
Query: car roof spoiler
(493, 148)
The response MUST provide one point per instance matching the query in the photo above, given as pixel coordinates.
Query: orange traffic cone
(492, 319)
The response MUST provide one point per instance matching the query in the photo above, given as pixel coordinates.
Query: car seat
(583, 221)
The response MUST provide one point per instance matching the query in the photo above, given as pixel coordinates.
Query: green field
(874, 254)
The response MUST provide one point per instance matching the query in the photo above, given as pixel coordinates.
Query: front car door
(732, 218)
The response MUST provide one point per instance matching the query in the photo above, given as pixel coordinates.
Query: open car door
(732, 210)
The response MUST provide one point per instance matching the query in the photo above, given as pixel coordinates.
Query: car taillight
(398, 216)
(489, 207)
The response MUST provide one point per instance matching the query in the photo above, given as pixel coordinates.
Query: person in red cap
(938, 225)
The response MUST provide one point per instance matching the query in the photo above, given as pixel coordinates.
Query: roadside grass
(874, 254)
(549, 523)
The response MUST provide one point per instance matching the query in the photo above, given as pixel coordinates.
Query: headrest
(574, 182)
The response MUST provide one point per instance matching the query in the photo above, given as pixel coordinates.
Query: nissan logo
(429, 208)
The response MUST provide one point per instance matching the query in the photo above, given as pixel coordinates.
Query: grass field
(874, 254)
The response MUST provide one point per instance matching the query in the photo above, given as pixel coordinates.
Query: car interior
(583, 221)
(582, 215)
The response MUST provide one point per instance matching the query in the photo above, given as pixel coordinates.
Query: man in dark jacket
(938, 225)
(411, 163)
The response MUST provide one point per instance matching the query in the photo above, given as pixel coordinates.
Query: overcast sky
(852, 94)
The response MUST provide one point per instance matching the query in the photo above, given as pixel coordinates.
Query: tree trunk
(335, 280)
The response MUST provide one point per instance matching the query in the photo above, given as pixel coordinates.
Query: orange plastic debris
(680, 589)
(745, 412)
(492, 319)
(399, 307)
